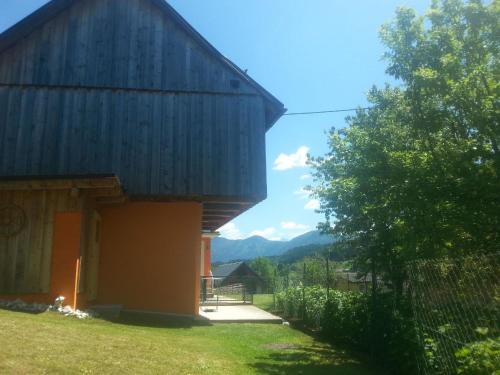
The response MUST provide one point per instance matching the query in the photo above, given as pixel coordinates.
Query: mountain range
(224, 250)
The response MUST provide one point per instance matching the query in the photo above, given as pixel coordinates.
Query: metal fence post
(274, 288)
(327, 277)
(304, 292)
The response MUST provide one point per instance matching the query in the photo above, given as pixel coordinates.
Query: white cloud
(293, 229)
(305, 177)
(268, 233)
(230, 231)
(313, 204)
(289, 161)
(291, 225)
(302, 193)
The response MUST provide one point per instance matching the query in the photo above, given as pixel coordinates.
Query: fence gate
(216, 291)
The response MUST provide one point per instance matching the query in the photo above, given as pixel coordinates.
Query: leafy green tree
(264, 268)
(418, 174)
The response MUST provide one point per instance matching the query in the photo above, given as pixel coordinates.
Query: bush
(353, 318)
(346, 318)
(480, 358)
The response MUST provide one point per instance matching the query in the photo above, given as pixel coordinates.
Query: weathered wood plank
(108, 44)
(25, 258)
(36, 242)
(197, 148)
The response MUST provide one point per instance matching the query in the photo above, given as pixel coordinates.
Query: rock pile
(19, 305)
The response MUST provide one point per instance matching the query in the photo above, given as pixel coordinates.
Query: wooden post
(77, 278)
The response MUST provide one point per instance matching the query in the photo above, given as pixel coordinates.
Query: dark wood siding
(157, 143)
(115, 86)
(116, 43)
(25, 259)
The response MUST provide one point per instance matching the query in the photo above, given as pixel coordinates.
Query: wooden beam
(58, 183)
(224, 206)
(215, 216)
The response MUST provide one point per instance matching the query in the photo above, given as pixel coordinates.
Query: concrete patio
(237, 314)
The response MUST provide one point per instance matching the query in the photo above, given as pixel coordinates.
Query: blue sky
(312, 55)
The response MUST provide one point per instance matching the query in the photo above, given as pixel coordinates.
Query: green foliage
(355, 319)
(480, 358)
(264, 268)
(418, 175)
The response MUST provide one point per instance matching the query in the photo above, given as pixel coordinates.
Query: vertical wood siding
(116, 43)
(25, 259)
(158, 144)
(115, 86)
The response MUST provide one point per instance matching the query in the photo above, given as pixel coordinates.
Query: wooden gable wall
(114, 86)
(119, 44)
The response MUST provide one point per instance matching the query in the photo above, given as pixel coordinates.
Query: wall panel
(25, 258)
(158, 144)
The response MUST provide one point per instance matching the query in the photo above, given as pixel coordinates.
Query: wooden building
(239, 273)
(124, 135)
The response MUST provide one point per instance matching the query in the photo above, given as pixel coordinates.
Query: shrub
(479, 358)
(372, 326)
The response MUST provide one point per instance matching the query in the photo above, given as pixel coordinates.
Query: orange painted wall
(207, 255)
(150, 256)
(65, 252)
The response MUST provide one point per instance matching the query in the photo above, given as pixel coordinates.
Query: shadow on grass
(152, 320)
(22, 311)
(317, 359)
(140, 319)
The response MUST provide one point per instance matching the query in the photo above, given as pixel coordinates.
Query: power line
(328, 111)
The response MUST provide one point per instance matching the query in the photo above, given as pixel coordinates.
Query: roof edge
(31, 22)
(277, 106)
(40, 16)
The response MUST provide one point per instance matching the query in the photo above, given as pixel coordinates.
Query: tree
(418, 174)
(264, 268)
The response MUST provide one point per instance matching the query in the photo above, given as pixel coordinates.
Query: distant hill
(299, 253)
(341, 253)
(224, 250)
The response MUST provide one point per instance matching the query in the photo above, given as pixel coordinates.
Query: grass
(264, 301)
(52, 344)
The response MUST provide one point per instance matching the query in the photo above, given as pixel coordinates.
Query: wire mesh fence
(322, 274)
(449, 304)
(299, 292)
(455, 302)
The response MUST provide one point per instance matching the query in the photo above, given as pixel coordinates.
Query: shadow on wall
(318, 359)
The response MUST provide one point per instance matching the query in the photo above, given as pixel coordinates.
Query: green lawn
(264, 301)
(52, 344)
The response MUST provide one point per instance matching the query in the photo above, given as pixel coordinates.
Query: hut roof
(226, 270)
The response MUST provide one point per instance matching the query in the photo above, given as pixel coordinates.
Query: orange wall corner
(150, 256)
